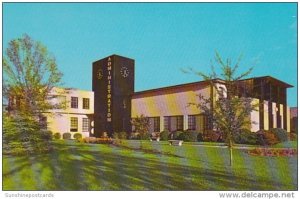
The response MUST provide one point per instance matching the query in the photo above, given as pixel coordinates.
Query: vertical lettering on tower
(109, 94)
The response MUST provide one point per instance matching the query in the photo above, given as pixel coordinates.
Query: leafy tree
(227, 113)
(30, 73)
(141, 125)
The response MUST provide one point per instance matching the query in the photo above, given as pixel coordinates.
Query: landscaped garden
(145, 165)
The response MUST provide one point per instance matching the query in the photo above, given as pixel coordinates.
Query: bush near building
(164, 135)
(189, 136)
(174, 135)
(281, 134)
(77, 136)
(212, 136)
(265, 137)
(245, 137)
(120, 135)
(293, 137)
(272, 136)
(67, 136)
(144, 136)
(22, 134)
(57, 136)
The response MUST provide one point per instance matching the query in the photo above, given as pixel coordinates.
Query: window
(167, 123)
(179, 122)
(86, 103)
(85, 124)
(74, 102)
(192, 122)
(156, 124)
(74, 124)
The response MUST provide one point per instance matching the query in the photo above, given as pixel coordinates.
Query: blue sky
(161, 37)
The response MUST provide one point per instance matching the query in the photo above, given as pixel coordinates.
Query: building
(294, 120)
(168, 107)
(116, 102)
(113, 103)
(75, 113)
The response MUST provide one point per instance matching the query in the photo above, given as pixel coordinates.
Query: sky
(162, 38)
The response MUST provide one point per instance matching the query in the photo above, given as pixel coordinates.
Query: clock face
(124, 71)
(99, 74)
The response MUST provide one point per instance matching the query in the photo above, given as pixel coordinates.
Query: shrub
(145, 136)
(16, 148)
(212, 136)
(200, 137)
(293, 137)
(174, 135)
(272, 152)
(67, 136)
(94, 140)
(77, 136)
(57, 136)
(164, 135)
(115, 135)
(266, 138)
(189, 136)
(46, 135)
(122, 135)
(245, 137)
(133, 136)
(280, 134)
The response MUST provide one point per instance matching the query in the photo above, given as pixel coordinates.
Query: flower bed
(95, 140)
(273, 152)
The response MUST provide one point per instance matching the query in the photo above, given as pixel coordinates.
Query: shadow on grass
(102, 167)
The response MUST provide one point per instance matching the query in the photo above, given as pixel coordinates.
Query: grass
(157, 166)
(288, 144)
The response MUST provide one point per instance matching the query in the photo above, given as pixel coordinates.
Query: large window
(86, 103)
(156, 124)
(179, 122)
(85, 124)
(192, 122)
(173, 123)
(74, 102)
(74, 124)
(167, 122)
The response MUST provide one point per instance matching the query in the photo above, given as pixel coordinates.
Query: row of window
(85, 102)
(175, 123)
(74, 124)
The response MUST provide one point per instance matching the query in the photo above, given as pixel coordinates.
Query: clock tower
(113, 86)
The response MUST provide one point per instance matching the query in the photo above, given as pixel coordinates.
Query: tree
(229, 112)
(30, 73)
(141, 125)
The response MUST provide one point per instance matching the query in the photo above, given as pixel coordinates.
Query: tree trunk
(231, 157)
(230, 153)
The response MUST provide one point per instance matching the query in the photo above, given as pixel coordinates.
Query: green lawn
(76, 166)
